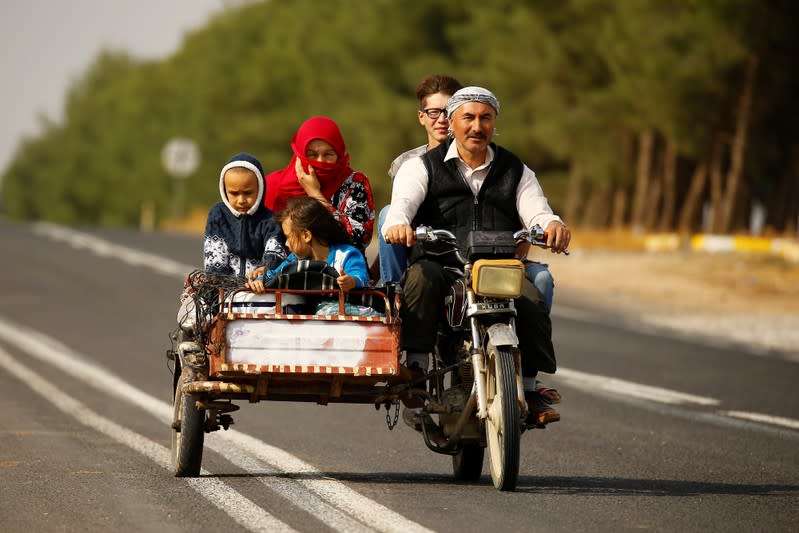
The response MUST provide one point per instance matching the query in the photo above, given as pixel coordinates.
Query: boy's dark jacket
(236, 243)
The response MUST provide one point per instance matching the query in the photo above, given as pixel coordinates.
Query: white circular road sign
(180, 157)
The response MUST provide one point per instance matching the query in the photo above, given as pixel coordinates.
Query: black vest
(451, 205)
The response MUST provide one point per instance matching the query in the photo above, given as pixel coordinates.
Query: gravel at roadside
(729, 299)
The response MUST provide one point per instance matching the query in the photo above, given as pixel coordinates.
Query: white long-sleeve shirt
(410, 190)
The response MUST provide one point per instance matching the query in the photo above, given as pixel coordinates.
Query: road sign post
(180, 157)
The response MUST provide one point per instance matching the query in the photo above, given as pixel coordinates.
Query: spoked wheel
(467, 464)
(188, 433)
(503, 426)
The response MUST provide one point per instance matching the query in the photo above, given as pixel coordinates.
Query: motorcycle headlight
(498, 278)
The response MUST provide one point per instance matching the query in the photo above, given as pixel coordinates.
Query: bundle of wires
(204, 288)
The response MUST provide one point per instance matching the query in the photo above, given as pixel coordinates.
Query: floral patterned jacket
(354, 206)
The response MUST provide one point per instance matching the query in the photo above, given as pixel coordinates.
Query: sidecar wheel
(503, 423)
(467, 464)
(188, 433)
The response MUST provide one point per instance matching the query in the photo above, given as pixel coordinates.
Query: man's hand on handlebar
(557, 236)
(400, 234)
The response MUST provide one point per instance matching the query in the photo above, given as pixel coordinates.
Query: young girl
(312, 232)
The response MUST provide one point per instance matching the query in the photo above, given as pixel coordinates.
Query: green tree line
(658, 115)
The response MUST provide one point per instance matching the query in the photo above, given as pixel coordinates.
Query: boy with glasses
(433, 92)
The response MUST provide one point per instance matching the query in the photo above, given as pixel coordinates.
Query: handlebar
(535, 236)
(428, 234)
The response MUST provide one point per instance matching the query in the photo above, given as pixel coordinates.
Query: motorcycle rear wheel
(188, 433)
(503, 423)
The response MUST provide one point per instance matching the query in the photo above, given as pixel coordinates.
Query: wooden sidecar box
(286, 355)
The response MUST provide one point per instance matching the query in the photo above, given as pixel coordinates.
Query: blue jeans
(393, 257)
(539, 274)
(394, 261)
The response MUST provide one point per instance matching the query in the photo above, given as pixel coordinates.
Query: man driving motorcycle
(470, 183)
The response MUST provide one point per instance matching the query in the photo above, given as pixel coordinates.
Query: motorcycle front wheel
(502, 425)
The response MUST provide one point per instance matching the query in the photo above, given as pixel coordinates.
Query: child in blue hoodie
(240, 233)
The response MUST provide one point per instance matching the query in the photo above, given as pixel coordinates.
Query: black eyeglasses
(434, 112)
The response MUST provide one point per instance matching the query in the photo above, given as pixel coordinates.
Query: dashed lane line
(103, 248)
(766, 419)
(627, 388)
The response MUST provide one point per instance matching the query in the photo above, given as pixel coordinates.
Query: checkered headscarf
(471, 94)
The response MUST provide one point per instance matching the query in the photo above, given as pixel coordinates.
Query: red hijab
(282, 184)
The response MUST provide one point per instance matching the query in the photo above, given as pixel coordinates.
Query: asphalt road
(657, 433)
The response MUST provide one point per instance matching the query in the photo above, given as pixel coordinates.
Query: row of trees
(640, 113)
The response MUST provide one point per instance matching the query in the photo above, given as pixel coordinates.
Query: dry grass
(193, 224)
(588, 239)
(612, 267)
(690, 281)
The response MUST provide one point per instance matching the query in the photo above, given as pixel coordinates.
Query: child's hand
(256, 285)
(254, 281)
(345, 281)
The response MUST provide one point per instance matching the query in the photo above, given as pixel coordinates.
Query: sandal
(541, 412)
(551, 396)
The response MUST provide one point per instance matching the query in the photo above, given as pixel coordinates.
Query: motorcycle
(274, 346)
(475, 387)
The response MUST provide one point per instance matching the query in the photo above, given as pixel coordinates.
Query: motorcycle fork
(517, 362)
(479, 356)
(478, 361)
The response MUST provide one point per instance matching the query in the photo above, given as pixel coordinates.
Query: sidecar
(288, 344)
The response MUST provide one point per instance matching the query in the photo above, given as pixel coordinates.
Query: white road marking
(617, 387)
(627, 388)
(242, 510)
(766, 419)
(103, 248)
(573, 313)
(336, 493)
(295, 493)
(336, 497)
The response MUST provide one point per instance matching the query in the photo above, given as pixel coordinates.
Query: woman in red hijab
(320, 168)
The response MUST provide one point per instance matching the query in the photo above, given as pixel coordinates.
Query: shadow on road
(596, 486)
(647, 487)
